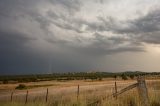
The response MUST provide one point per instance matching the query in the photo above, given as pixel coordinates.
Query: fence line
(125, 89)
(142, 91)
(141, 87)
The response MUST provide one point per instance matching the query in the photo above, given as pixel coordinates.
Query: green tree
(124, 77)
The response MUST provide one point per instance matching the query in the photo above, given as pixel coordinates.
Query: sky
(50, 36)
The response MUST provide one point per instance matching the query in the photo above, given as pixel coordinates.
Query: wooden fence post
(115, 88)
(11, 96)
(47, 95)
(142, 90)
(26, 97)
(78, 92)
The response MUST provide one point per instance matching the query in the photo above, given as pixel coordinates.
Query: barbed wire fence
(140, 85)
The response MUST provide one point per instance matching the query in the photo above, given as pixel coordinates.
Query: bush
(131, 76)
(5, 81)
(100, 78)
(124, 77)
(21, 86)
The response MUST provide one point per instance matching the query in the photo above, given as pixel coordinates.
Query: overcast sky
(47, 36)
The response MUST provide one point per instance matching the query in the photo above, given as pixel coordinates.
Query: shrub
(21, 86)
(5, 81)
(131, 76)
(124, 77)
(100, 78)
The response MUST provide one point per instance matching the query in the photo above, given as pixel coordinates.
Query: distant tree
(115, 76)
(124, 77)
(131, 76)
(100, 78)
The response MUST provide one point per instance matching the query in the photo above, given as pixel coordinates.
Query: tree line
(74, 76)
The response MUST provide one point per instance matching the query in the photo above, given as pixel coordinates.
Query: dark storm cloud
(15, 56)
(9, 39)
(35, 34)
(18, 55)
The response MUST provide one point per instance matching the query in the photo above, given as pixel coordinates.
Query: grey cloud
(148, 23)
(117, 44)
(148, 27)
(100, 45)
(144, 29)
(103, 45)
(26, 42)
(70, 5)
(65, 22)
(144, 24)
(26, 9)
(152, 38)
(101, 49)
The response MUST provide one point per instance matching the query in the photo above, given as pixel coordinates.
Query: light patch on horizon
(153, 49)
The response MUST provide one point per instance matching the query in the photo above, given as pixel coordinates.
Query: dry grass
(90, 95)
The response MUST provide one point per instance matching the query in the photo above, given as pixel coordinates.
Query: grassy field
(65, 93)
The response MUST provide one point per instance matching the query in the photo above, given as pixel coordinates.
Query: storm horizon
(50, 36)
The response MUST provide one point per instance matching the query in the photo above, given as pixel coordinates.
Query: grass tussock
(23, 86)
